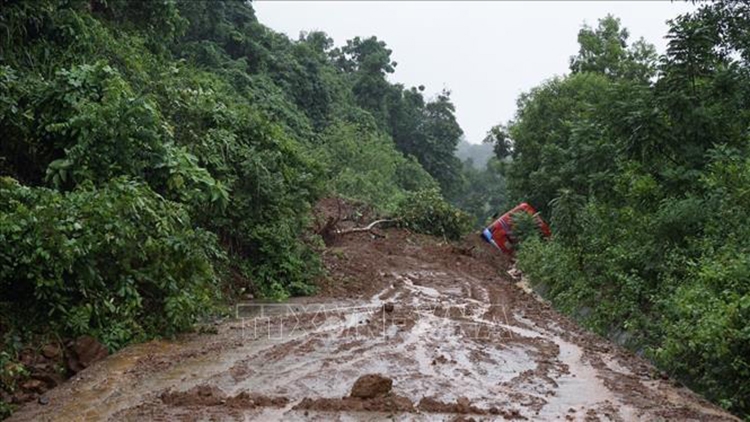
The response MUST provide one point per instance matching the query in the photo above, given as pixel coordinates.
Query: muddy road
(450, 335)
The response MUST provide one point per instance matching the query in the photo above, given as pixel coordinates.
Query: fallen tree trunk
(367, 228)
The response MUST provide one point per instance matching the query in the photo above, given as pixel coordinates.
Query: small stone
(43, 400)
(388, 307)
(51, 351)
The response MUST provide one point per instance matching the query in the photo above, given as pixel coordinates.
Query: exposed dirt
(451, 334)
(389, 403)
(462, 405)
(207, 395)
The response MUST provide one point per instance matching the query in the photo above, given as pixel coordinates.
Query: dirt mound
(370, 393)
(207, 395)
(333, 214)
(462, 405)
(371, 385)
(346, 211)
(388, 403)
(202, 395)
(245, 400)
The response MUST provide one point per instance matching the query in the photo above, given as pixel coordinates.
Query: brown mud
(448, 331)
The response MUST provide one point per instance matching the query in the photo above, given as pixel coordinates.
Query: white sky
(485, 52)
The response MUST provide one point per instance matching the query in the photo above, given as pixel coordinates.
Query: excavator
(500, 232)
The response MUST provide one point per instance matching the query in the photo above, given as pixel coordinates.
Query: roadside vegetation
(159, 157)
(643, 165)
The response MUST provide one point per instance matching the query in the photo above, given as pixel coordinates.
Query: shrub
(707, 339)
(9, 373)
(525, 227)
(364, 164)
(119, 262)
(427, 212)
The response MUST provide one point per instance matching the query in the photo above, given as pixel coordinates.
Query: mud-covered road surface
(450, 335)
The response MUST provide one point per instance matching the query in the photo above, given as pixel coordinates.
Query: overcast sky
(486, 53)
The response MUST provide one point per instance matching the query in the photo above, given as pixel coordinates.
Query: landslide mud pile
(406, 327)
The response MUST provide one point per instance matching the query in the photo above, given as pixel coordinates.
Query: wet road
(457, 335)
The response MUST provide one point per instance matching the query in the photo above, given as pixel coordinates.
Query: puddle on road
(581, 387)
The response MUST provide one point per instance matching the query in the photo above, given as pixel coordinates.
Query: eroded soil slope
(432, 331)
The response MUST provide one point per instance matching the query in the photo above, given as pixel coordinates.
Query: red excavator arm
(500, 232)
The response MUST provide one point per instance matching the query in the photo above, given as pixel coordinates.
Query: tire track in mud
(445, 323)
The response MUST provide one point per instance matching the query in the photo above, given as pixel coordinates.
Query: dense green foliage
(364, 165)
(115, 262)
(643, 166)
(427, 212)
(158, 155)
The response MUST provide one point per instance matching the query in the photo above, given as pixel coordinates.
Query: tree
(645, 180)
(368, 61)
(556, 140)
(319, 41)
(605, 50)
(500, 139)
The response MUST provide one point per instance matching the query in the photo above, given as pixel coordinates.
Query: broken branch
(367, 228)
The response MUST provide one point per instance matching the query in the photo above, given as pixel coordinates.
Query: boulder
(84, 351)
(371, 385)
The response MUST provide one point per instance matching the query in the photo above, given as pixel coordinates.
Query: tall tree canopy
(605, 50)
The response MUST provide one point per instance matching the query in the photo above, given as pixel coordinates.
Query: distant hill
(479, 153)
